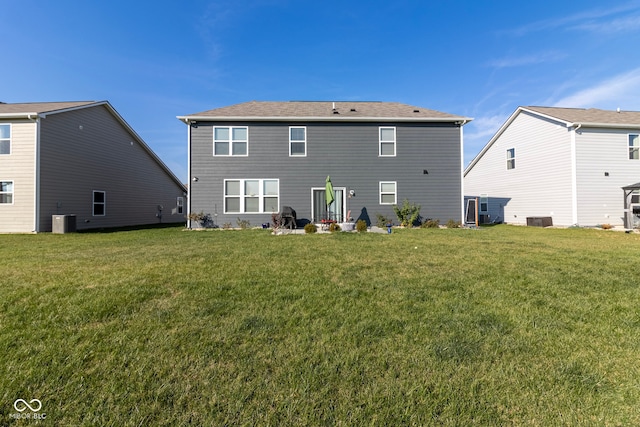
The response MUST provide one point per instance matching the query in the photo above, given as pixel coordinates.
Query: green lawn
(497, 326)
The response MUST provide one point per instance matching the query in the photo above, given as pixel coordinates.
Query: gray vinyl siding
(89, 149)
(19, 167)
(348, 152)
(600, 197)
(540, 184)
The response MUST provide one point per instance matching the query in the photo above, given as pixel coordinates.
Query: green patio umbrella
(328, 193)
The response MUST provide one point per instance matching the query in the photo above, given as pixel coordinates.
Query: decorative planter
(347, 226)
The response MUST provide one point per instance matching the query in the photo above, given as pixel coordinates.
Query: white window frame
(103, 203)
(386, 193)
(8, 140)
(243, 197)
(10, 192)
(292, 141)
(381, 141)
(634, 148)
(231, 141)
(511, 158)
(180, 205)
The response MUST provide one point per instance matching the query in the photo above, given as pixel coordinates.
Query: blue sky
(156, 60)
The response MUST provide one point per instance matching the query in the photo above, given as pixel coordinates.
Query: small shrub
(243, 224)
(606, 226)
(310, 228)
(197, 216)
(276, 221)
(334, 227)
(382, 221)
(408, 214)
(227, 226)
(453, 224)
(361, 226)
(431, 223)
(201, 218)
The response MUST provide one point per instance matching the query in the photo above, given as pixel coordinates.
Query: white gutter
(29, 116)
(607, 125)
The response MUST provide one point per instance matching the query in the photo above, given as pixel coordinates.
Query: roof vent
(416, 111)
(353, 109)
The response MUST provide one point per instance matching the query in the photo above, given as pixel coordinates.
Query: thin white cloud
(485, 127)
(573, 20)
(478, 133)
(619, 91)
(622, 25)
(520, 61)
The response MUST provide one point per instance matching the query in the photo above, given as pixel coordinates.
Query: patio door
(319, 207)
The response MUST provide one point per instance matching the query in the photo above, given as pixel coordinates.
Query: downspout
(36, 173)
(462, 219)
(189, 180)
(574, 175)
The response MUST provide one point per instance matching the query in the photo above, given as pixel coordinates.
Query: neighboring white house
(80, 159)
(569, 164)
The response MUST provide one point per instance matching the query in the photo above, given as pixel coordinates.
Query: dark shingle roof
(590, 116)
(324, 110)
(40, 107)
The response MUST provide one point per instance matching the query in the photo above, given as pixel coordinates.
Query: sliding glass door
(319, 207)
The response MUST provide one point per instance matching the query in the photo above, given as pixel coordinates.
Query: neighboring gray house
(249, 160)
(569, 164)
(82, 159)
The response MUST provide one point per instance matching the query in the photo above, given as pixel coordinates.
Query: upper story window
(6, 192)
(230, 141)
(5, 139)
(511, 158)
(387, 141)
(99, 203)
(634, 147)
(388, 192)
(297, 141)
(251, 196)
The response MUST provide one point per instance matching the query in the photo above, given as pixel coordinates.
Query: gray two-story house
(81, 160)
(247, 161)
